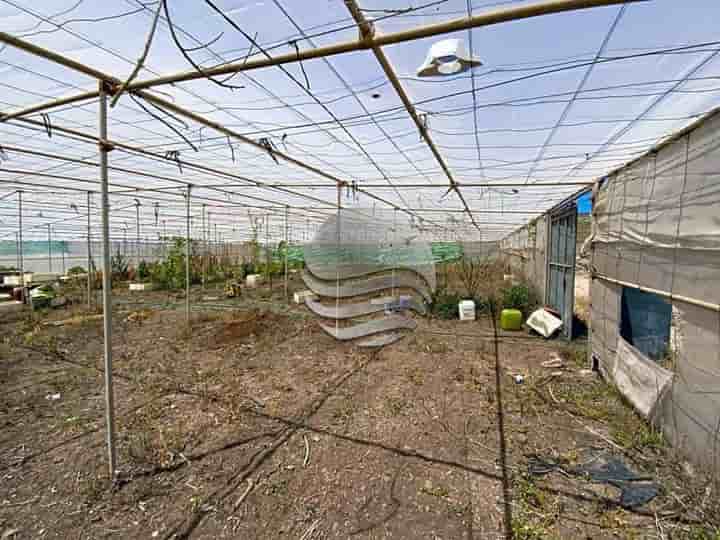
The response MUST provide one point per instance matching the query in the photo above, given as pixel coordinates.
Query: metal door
(560, 290)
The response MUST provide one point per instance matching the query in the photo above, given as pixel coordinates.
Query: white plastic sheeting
(525, 251)
(657, 227)
(640, 380)
(541, 109)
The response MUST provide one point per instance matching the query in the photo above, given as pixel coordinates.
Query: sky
(560, 98)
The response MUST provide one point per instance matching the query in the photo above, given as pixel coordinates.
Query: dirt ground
(256, 424)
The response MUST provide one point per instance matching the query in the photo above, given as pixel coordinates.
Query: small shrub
(119, 266)
(170, 273)
(248, 268)
(143, 271)
(484, 305)
(471, 273)
(517, 297)
(637, 435)
(76, 270)
(445, 306)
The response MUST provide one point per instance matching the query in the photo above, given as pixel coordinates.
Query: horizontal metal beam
(367, 31)
(167, 105)
(665, 294)
(435, 186)
(249, 182)
(497, 16)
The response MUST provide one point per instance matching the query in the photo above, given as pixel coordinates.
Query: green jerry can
(511, 319)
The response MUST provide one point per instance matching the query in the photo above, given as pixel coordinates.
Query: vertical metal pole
(89, 257)
(137, 235)
(204, 247)
(49, 250)
(62, 255)
(395, 252)
(187, 257)
(21, 250)
(210, 250)
(107, 283)
(209, 237)
(337, 261)
(17, 251)
(286, 253)
(164, 239)
(268, 255)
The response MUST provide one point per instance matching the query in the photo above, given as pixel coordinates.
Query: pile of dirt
(243, 325)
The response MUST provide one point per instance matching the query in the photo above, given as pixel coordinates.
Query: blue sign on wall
(584, 203)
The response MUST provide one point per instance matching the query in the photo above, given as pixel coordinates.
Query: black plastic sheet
(635, 489)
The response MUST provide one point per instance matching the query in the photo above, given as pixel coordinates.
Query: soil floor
(256, 424)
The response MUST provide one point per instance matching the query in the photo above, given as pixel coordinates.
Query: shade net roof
(560, 100)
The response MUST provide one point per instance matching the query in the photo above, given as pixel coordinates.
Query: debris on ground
(544, 322)
(139, 316)
(554, 362)
(603, 468)
(232, 289)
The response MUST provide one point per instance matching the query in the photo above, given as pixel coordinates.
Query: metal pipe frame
(89, 257)
(204, 168)
(367, 41)
(21, 250)
(497, 16)
(665, 294)
(49, 239)
(158, 157)
(366, 33)
(107, 285)
(187, 258)
(134, 192)
(286, 253)
(434, 186)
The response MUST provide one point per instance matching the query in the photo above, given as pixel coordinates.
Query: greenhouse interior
(436, 269)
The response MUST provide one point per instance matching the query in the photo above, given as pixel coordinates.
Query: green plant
(484, 305)
(516, 297)
(525, 530)
(436, 491)
(576, 355)
(143, 271)
(248, 267)
(170, 273)
(534, 516)
(640, 437)
(76, 270)
(119, 266)
(701, 532)
(445, 305)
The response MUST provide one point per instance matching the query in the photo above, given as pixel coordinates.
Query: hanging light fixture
(447, 57)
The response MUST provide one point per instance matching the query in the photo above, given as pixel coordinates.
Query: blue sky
(602, 128)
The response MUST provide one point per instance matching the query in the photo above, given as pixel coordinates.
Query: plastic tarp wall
(656, 228)
(481, 250)
(525, 252)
